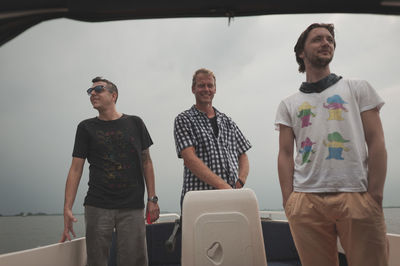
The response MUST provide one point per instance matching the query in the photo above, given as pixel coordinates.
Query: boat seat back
(222, 227)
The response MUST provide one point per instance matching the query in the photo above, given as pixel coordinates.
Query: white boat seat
(222, 227)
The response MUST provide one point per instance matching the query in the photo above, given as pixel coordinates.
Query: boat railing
(273, 215)
(168, 217)
(61, 254)
(269, 215)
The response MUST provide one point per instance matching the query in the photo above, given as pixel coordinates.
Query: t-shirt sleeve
(81, 146)
(282, 116)
(145, 136)
(183, 134)
(367, 97)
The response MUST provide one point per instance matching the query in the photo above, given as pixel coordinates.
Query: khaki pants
(317, 219)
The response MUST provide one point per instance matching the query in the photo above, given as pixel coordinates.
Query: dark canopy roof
(18, 15)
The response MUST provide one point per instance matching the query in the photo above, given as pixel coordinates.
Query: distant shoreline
(25, 214)
(34, 214)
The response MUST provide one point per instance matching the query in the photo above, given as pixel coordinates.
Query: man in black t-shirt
(117, 149)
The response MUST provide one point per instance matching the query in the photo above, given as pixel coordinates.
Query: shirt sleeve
(145, 136)
(282, 116)
(183, 134)
(243, 144)
(366, 96)
(81, 146)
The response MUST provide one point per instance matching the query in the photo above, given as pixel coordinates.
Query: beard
(318, 61)
(321, 62)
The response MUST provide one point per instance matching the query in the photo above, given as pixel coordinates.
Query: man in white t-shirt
(333, 187)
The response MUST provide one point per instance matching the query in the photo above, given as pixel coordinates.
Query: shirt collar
(198, 112)
(321, 85)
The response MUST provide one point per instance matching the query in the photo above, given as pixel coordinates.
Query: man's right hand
(225, 186)
(68, 226)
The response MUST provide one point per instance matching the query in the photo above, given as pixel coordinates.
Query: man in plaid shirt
(212, 146)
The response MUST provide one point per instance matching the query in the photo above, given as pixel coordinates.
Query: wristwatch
(153, 199)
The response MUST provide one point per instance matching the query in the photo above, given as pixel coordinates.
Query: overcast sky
(44, 74)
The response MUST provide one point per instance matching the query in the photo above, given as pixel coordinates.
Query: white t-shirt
(331, 149)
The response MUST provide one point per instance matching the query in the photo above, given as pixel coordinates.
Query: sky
(45, 72)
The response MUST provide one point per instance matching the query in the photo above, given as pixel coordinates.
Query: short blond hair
(203, 71)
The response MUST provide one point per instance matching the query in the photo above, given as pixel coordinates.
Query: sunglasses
(97, 89)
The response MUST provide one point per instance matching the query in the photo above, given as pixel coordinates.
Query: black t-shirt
(113, 150)
(214, 125)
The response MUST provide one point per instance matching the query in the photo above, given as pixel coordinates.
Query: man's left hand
(377, 197)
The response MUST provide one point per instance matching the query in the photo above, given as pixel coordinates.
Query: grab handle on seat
(170, 243)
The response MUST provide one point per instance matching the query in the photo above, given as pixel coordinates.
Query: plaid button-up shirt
(220, 153)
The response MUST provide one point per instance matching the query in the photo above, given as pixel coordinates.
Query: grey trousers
(131, 236)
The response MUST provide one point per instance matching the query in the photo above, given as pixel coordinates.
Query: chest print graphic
(305, 114)
(335, 107)
(306, 150)
(116, 149)
(336, 146)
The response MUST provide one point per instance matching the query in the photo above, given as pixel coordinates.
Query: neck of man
(109, 114)
(316, 74)
(206, 108)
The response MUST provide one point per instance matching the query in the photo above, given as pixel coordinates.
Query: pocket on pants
(289, 204)
(372, 202)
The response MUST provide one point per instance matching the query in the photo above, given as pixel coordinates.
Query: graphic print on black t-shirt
(118, 156)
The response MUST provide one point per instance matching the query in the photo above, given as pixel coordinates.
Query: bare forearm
(149, 178)
(285, 161)
(71, 189)
(73, 180)
(285, 172)
(201, 171)
(377, 166)
(377, 156)
(148, 172)
(244, 167)
(152, 209)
